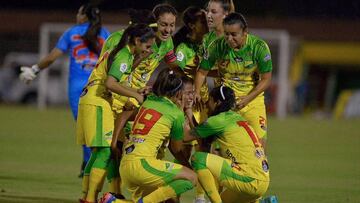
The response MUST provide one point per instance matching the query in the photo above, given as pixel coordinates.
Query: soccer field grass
(310, 160)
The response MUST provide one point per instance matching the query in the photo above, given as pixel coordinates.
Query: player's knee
(181, 186)
(103, 157)
(189, 175)
(198, 160)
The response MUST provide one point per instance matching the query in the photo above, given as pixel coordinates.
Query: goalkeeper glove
(28, 74)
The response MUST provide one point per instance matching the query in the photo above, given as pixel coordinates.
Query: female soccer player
(217, 10)
(95, 123)
(188, 41)
(242, 168)
(83, 43)
(160, 119)
(162, 20)
(244, 64)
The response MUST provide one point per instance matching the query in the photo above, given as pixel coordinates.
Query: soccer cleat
(269, 199)
(83, 201)
(200, 200)
(107, 198)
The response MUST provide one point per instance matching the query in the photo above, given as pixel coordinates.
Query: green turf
(310, 160)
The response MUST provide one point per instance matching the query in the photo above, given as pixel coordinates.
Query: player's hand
(115, 152)
(145, 91)
(146, 54)
(129, 106)
(28, 74)
(197, 100)
(241, 102)
(140, 98)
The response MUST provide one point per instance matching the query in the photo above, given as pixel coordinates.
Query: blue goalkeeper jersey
(82, 60)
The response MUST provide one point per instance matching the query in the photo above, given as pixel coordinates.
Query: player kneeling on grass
(160, 119)
(242, 167)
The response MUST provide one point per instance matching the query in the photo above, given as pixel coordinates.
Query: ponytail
(167, 83)
(90, 37)
(225, 96)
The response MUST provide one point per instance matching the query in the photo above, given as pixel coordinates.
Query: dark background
(335, 9)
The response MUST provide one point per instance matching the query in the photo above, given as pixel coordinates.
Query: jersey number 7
(251, 133)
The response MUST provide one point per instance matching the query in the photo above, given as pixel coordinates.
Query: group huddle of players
(217, 135)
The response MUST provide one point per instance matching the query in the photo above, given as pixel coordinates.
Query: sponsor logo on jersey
(262, 122)
(230, 156)
(258, 153)
(137, 140)
(123, 67)
(130, 149)
(239, 59)
(180, 56)
(235, 166)
(267, 58)
(109, 133)
(265, 165)
(169, 166)
(84, 91)
(206, 54)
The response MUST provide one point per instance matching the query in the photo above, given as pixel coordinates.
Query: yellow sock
(96, 179)
(123, 201)
(85, 186)
(114, 185)
(200, 192)
(160, 194)
(208, 182)
(100, 186)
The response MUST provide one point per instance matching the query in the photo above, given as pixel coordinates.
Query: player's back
(157, 118)
(239, 143)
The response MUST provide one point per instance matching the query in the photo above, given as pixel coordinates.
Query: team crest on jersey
(180, 56)
(123, 67)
